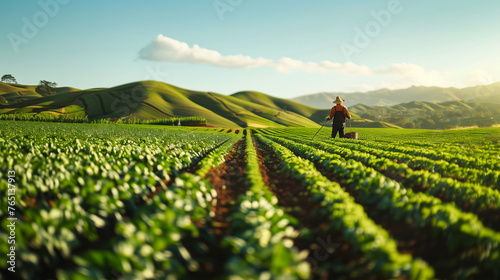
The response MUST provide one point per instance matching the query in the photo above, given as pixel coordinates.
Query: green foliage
(119, 201)
(404, 204)
(398, 160)
(79, 183)
(262, 233)
(46, 88)
(349, 217)
(216, 157)
(8, 78)
(187, 121)
(150, 100)
(81, 118)
(428, 115)
(77, 118)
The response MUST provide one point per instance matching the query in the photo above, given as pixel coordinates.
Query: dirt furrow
(419, 242)
(330, 255)
(228, 180)
(489, 217)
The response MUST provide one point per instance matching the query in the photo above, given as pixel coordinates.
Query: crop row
(443, 167)
(464, 232)
(154, 242)
(463, 160)
(108, 213)
(349, 218)
(473, 197)
(70, 193)
(163, 237)
(47, 168)
(487, 150)
(46, 117)
(80, 117)
(261, 239)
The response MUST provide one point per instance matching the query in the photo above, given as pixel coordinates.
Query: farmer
(338, 113)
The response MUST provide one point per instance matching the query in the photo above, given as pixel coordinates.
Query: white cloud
(164, 48)
(167, 49)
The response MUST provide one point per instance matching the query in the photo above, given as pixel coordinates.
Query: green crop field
(124, 201)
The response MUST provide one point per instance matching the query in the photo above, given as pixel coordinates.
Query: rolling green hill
(284, 105)
(155, 100)
(148, 100)
(19, 93)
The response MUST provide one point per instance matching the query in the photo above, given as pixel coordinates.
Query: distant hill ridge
(443, 115)
(386, 97)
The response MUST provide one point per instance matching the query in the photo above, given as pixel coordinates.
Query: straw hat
(338, 100)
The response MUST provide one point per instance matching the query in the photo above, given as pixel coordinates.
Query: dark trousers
(340, 128)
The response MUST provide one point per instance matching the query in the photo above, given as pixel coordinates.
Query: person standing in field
(339, 113)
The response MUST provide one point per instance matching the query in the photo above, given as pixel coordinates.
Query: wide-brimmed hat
(338, 100)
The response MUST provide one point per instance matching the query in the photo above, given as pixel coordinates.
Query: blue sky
(283, 48)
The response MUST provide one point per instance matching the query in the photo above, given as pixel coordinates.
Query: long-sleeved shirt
(339, 107)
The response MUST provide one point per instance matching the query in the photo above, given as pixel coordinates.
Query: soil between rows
(419, 242)
(330, 255)
(228, 180)
(108, 231)
(489, 217)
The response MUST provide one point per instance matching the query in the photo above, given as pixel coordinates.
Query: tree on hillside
(46, 88)
(8, 78)
(427, 123)
(398, 120)
(3, 101)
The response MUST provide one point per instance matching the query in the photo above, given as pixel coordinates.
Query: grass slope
(153, 100)
(289, 106)
(283, 105)
(371, 124)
